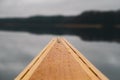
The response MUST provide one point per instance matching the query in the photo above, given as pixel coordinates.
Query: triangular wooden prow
(59, 60)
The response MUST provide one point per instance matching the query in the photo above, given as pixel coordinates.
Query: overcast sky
(25, 8)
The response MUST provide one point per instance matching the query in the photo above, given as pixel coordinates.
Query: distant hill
(88, 17)
(98, 17)
(90, 25)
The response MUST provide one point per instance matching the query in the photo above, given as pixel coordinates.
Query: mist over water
(17, 49)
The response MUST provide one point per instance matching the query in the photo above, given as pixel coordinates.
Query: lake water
(17, 49)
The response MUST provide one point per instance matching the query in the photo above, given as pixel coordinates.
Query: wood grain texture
(60, 61)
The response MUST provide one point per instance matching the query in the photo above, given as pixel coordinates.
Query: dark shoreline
(90, 25)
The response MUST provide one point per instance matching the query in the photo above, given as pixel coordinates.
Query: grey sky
(25, 8)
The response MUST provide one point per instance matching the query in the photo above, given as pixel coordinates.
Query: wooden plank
(93, 69)
(60, 61)
(33, 62)
(59, 65)
(81, 63)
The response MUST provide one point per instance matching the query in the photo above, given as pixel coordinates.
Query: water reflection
(18, 49)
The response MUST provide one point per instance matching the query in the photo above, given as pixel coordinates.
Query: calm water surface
(17, 49)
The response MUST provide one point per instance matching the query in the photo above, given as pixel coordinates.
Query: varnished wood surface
(60, 61)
